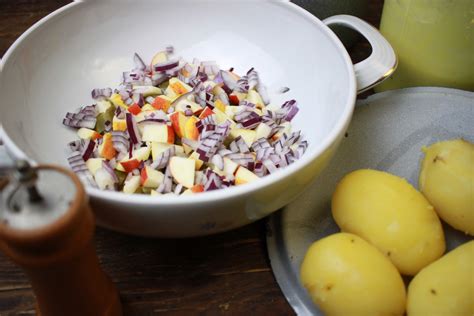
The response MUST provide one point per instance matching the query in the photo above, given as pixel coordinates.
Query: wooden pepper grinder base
(60, 260)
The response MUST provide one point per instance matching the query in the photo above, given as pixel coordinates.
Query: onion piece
(166, 65)
(107, 167)
(132, 129)
(139, 64)
(120, 141)
(88, 149)
(101, 93)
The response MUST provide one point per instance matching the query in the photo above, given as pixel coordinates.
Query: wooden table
(223, 274)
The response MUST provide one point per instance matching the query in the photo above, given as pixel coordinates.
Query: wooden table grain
(223, 274)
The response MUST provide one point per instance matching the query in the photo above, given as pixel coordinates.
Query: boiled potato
(389, 213)
(345, 275)
(445, 287)
(447, 181)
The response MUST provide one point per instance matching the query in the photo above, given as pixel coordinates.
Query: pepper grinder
(46, 227)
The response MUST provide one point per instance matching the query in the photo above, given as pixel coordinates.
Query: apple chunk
(247, 135)
(161, 133)
(151, 178)
(182, 170)
(190, 129)
(131, 185)
(94, 164)
(243, 175)
(178, 120)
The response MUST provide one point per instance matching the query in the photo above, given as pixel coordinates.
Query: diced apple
(187, 149)
(142, 153)
(262, 131)
(157, 148)
(103, 106)
(255, 98)
(151, 178)
(178, 120)
(285, 130)
(221, 117)
(148, 108)
(85, 133)
(104, 179)
(129, 165)
(119, 124)
(179, 150)
(106, 149)
(220, 105)
(159, 58)
(131, 185)
(183, 104)
(191, 131)
(161, 133)
(94, 164)
(206, 112)
(147, 91)
(197, 188)
(116, 99)
(162, 102)
(176, 88)
(155, 193)
(230, 166)
(199, 162)
(247, 135)
(236, 97)
(182, 170)
(243, 176)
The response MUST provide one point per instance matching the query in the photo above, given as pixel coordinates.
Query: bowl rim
(218, 195)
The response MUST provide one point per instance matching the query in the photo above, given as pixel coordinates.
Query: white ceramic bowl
(53, 67)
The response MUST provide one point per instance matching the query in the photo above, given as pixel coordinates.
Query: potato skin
(345, 275)
(445, 287)
(447, 181)
(388, 212)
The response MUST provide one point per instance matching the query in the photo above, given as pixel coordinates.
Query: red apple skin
(170, 135)
(130, 165)
(197, 188)
(206, 112)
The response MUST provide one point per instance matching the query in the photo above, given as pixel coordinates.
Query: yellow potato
(447, 181)
(345, 275)
(389, 213)
(445, 287)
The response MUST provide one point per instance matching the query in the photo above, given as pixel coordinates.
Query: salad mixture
(177, 127)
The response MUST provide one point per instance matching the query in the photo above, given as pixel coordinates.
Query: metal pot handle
(380, 64)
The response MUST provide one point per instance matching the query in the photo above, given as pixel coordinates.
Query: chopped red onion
(101, 93)
(228, 80)
(252, 76)
(139, 64)
(88, 149)
(120, 141)
(78, 166)
(270, 165)
(178, 189)
(107, 167)
(166, 65)
(138, 99)
(163, 159)
(132, 129)
(86, 122)
(218, 161)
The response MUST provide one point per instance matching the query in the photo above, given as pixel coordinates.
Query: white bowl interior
(56, 65)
